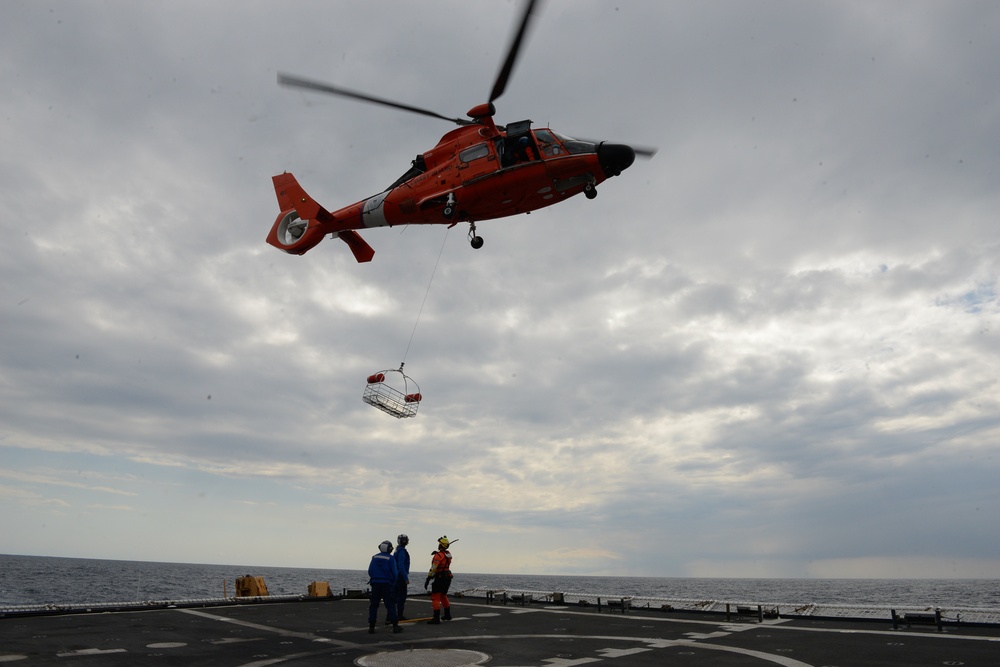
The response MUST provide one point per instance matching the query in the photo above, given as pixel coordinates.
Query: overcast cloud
(771, 350)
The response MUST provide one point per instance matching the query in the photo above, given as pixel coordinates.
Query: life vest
(440, 564)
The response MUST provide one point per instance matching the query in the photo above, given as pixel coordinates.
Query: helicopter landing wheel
(589, 191)
(474, 240)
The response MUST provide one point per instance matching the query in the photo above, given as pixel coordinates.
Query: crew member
(402, 558)
(440, 572)
(382, 577)
(525, 150)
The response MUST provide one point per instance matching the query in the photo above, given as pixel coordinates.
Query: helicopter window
(544, 137)
(474, 153)
(574, 146)
(577, 146)
(547, 143)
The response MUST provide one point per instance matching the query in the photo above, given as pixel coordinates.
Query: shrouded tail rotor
(291, 227)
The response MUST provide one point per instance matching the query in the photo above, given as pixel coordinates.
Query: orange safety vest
(440, 564)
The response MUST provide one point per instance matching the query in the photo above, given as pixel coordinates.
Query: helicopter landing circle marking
(424, 657)
(650, 642)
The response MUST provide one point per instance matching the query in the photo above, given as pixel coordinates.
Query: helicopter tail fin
(303, 222)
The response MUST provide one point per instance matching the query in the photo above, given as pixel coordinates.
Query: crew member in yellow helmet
(440, 573)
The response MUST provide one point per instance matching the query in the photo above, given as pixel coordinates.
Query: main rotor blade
(515, 46)
(298, 82)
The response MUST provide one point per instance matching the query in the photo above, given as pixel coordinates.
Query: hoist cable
(426, 292)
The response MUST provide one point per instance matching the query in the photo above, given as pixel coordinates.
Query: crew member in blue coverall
(403, 574)
(382, 577)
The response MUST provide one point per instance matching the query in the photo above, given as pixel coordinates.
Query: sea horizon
(515, 574)
(31, 580)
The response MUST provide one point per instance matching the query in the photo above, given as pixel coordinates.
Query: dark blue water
(46, 580)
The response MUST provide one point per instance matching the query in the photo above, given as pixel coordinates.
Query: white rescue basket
(393, 392)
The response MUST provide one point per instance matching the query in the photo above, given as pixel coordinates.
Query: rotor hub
(485, 110)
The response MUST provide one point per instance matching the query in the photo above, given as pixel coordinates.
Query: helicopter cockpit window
(577, 146)
(547, 143)
(474, 153)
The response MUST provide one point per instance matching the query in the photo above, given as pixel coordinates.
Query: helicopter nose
(615, 158)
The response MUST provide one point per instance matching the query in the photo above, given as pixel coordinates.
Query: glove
(427, 583)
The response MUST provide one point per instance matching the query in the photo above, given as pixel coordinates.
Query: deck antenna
(426, 292)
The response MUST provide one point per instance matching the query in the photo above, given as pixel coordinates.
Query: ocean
(41, 580)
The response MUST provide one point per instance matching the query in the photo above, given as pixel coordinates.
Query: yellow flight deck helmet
(443, 542)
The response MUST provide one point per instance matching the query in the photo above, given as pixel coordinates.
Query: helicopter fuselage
(476, 172)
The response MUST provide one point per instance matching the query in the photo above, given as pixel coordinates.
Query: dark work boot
(447, 614)
(371, 628)
(396, 629)
(437, 618)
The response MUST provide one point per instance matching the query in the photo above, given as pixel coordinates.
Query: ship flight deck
(334, 631)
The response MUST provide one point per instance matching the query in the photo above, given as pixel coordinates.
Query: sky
(772, 350)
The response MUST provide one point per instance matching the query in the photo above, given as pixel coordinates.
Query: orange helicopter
(478, 171)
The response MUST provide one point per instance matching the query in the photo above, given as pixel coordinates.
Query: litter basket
(393, 392)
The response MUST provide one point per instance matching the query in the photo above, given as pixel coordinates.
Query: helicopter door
(519, 144)
(476, 161)
(548, 144)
